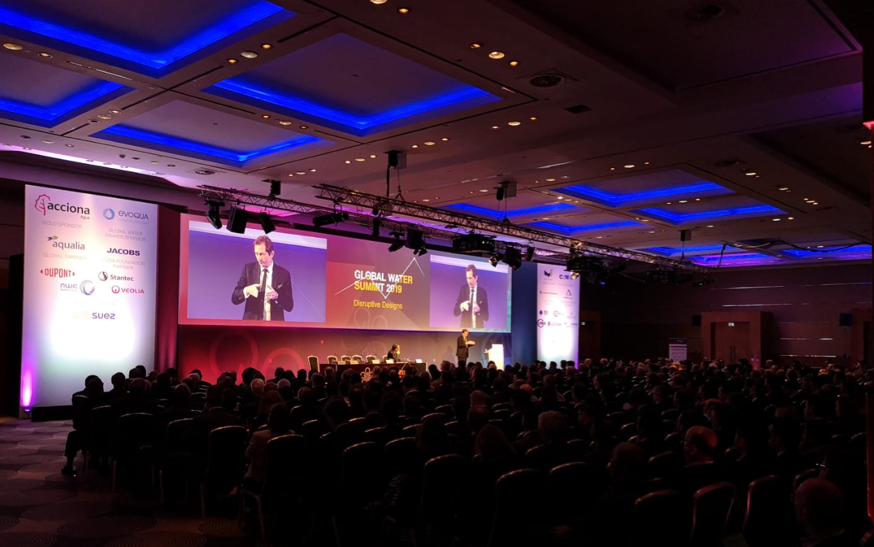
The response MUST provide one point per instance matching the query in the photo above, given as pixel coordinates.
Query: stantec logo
(127, 252)
(57, 272)
(103, 276)
(44, 204)
(126, 290)
(74, 246)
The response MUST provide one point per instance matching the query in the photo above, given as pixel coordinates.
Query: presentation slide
(558, 319)
(89, 291)
(327, 281)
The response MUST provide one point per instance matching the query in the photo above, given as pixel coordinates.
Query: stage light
(420, 251)
(575, 275)
(529, 254)
(377, 223)
(214, 215)
(513, 257)
(500, 194)
(237, 220)
(266, 223)
(494, 259)
(331, 218)
(397, 245)
(275, 188)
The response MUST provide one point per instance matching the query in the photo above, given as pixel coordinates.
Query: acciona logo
(44, 205)
(126, 252)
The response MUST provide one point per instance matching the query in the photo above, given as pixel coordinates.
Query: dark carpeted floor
(40, 507)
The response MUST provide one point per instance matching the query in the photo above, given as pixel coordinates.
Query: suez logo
(74, 246)
(127, 252)
(93, 315)
(44, 204)
(110, 214)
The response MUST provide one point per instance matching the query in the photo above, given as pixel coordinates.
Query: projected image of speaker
(237, 220)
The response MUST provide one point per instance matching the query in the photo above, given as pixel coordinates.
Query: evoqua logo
(44, 204)
(57, 272)
(74, 246)
(108, 213)
(127, 252)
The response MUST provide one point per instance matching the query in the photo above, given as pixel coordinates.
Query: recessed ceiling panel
(41, 94)
(843, 252)
(196, 131)
(574, 226)
(145, 37)
(349, 85)
(737, 260)
(647, 188)
(728, 208)
(559, 208)
(692, 250)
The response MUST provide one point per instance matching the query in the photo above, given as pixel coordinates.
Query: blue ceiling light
(139, 137)
(672, 251)
(617, 200)
(51, 115)
(239, 89)
(862, 251)
(741, 259)
(586, 228)
(540, 209)
(679, 218)
(153, 63)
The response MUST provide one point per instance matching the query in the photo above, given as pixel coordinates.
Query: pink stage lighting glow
(26, 386)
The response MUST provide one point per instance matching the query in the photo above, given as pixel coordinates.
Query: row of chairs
(347, 359)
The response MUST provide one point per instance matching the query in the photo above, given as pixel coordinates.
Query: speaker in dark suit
(264, 286)
(462, 348)
(472, 303)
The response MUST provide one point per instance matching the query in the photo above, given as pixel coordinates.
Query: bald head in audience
(820, 507)
(699, 446)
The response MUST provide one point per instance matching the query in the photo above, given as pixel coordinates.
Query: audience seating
(224, 464)
(711, 509)
(655, 520)
(767, 503)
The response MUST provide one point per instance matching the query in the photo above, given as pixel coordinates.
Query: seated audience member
(785, 438)
(77, 439)
(626, 470)
(699, 451)
(432, 439)
(265, 403)
(177, 408)
(820, 509)
(278, 423)
(137, 399)
(212, 417)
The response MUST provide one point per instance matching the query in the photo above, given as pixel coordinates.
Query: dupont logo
(45, 205)
(126, 252)
(126, 290)
(57, 272)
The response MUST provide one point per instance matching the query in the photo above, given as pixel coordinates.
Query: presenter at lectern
(462, 352)
(473, 302)
(264, 286)
(394, 353)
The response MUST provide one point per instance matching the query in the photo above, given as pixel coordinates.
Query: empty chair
(103, 427)
(357, 359)
(442, 482)
(573, 491)
(377, 435)
(314, 363)
(655, 520)
(135, 435)
(858, 443)
(627, 431)
(314, 429)
(447, 411)
(767, 505)
(401, 456)
(710, 510)
(176, 450)
(362, 475)
(224, 464)
(514, 490)
(332, 360)
(372, 359)
(283, 479)
(345, 359)
(410, 430)
(373, 420)
(664, 465)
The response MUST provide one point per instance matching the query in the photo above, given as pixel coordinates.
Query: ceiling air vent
(578, 109)
(546, 80)
(204, 172)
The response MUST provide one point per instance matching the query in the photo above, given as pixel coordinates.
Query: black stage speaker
(237, 220)
(696, 320)
(846, 320)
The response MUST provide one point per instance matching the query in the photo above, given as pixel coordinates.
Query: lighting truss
(366, 202)
(360, 205)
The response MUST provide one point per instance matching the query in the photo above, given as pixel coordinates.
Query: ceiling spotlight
(429, 143)
(348, 161)
(360, 159)
(529, 253)
(750, 173)
(484, 191)
(266, 46)
(284, 122)
(378, 2)
(115, 112)
(377, 223)
(403, 11)
(496, 55)
(514, 124)
(629, 166)
(105, 116)
(575, 275)
(266, 223)
(312, 170)
(496, 127)
(265, 116)
(776, 219)
(710, 225)
(513, 257)
(533, 118)
(398, 244)
(445, 139)
(865, 143)
(232, 61)
(475, 45)
(214, 215)
(46, 141)
(514, 63)
(12, 47)
(249, 54)
(415, 146)
(69, 145)
(304, 127)
(300, 173)
(45, 55)
(373, 156)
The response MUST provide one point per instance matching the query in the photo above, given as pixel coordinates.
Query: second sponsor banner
(558, 309)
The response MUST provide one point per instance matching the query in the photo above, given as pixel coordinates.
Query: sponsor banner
(89, 291)
(558, 308)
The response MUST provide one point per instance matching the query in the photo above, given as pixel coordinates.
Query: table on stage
(362, 367)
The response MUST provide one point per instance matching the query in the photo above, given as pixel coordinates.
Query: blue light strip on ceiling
(588, 228)
(491, 213)
(254, 13)
(671, 251)
(61, 108)
(204, 149)
(677, 218)
(359, 123)
(751, 258)
(861, 250)
(616, 200)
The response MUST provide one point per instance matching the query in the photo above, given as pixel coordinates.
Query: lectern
(496, 354)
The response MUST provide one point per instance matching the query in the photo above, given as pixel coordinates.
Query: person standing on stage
(463, 351)
(394, 353)
(264, 286)
(472, 303)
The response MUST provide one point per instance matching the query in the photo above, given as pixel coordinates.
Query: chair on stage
(357, 359)
(372, 360)
(332, 360)
(346, 359)
(314, 363)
